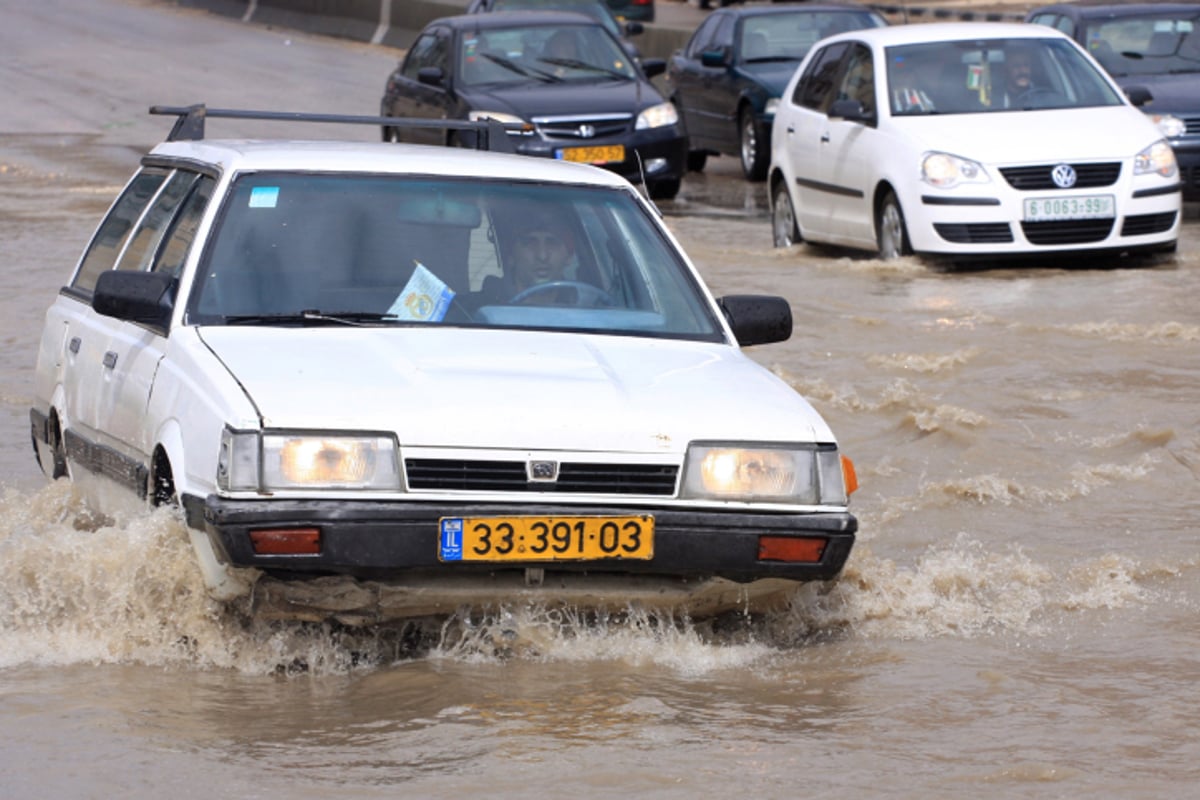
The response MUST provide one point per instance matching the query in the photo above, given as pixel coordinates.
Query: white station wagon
(390, 381)
(966, 139)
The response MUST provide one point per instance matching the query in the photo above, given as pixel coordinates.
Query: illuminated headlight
(509, 121)
(946, 171)
(1169, 125)
(764, 474)
(1158, 157)
(657, 116)
(278, 461)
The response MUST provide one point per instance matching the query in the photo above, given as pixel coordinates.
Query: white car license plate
(1096, 206)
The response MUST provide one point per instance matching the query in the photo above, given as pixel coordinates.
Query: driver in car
(538, 262)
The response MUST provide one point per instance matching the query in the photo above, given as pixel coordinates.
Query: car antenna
(645, 188)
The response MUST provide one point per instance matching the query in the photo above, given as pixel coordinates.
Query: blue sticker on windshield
(264, 196)
(450, 544)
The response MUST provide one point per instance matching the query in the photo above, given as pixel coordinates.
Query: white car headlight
(657, 116)
(1158, 157)
(1169, 125)
(275, 461)
(766, 474)
(946, 171)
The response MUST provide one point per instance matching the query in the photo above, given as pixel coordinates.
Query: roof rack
(490, 134)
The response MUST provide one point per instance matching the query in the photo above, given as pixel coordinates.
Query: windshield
(589, 7)
(788, 36)
(1150, 44)
(994, 75)
(309, 249)
(548, 53)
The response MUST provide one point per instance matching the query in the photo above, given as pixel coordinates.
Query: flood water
(1018, 619)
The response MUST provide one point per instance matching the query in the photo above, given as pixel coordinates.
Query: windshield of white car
(1149, 43)
(993, 75)
(291, 249)
(547, 52)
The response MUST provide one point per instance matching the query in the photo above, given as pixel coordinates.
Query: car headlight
(1158, 157)
(1169, 125)
(250, 461)
(946, 171)
(657, 116)
(509, 121)
(768, 474)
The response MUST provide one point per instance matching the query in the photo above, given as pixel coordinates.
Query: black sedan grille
(1142, 224)
(582, 128)
(509, 476)
(975, 232)
(1074, 231)
(1192, 124)
(1087, 176)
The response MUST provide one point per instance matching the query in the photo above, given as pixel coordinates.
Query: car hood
(1029, 137)
(1177, 93)
(449, 387)
(533, 99)
(771, 75)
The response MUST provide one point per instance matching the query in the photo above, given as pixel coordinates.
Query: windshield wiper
(353, 318)
(574, 63)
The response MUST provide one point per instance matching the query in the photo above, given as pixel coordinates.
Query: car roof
(949, 32)
(231, 155)
(808, 8)
(508, 19)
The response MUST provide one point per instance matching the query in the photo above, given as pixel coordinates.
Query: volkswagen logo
(1064, 176)
(587, 131)
(542, 470)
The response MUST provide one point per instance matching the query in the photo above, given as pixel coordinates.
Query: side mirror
(851, 110)
(634, 29)
(431, 76)
(715, 58)
(654, 66)
(147, 298)
(757, 318)
(1138, 95)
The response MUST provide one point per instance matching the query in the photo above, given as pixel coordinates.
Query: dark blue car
(727, 80)
(1153, 52)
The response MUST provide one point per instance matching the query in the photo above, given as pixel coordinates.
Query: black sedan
(727, 80)
(563, 86)
(1153, 52)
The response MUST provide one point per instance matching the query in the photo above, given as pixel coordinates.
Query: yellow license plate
(546, 538)
(601, 154)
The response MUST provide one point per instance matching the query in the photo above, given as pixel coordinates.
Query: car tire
(664, 189)
(890, 231)
(785, 230)
(753, 146)
(696, 159)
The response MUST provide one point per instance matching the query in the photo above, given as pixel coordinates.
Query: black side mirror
(147, 298)
(654, 66)
(634, 28)
(431, 76)
(851, 110)
(718, 57)
(757, 318)
(1138, 95)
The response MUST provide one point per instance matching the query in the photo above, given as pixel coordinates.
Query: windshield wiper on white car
(574, 63)
(353, 318)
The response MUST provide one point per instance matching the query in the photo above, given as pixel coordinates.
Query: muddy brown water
(1018, 619)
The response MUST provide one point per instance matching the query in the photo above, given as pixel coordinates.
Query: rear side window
(109, 241)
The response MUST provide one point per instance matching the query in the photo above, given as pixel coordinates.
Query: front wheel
(785, 231)
(890, 230)
(754, 150)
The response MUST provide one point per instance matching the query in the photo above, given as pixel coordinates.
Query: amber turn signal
(849, 476)
(791, 549)
(287, 542)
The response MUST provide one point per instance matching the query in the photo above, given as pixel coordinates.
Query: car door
(848, 150)
(415, 91)
(708, 97)
(806, 135)
(687, 77)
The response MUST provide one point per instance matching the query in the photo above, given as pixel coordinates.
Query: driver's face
(1020, 72)
(539, 256)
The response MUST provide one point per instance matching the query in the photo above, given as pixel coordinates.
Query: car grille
(1142, 224)
(1087, 176)
(582, 127)
(1074, 231)
(975, 232)
(1192, 124)
(510, 476)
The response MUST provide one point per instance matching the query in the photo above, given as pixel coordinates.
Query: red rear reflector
(790, 548)
(287, 542)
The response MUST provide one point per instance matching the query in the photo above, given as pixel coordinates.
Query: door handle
(74, 345)
(825, 138)
(110, 359)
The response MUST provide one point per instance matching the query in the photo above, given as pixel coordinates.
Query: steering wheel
(586, 294)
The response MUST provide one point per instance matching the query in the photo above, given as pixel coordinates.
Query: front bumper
(706, 561)
(666, 146)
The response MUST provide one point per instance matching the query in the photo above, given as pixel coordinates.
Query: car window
(450, 251)
(145, 240)
(790, 35)
(815, 88)
(429, 50)
(600, 13)
(547, 53)
(858, 79)
(993, 75)
(113, 233)
(182, 232)
(703, 36)
(1151, 44)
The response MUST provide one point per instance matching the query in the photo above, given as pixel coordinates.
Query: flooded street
(1018, 619)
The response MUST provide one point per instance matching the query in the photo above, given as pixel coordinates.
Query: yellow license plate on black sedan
(600, 154)
(546, 538)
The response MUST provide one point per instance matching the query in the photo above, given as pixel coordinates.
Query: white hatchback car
(325, 353)
(964, 139)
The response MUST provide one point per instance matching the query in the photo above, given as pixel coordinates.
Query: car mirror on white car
(146, 298)
(757, 319)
